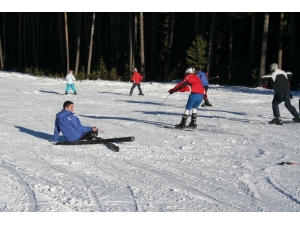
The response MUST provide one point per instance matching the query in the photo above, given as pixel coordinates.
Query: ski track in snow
(227, 164)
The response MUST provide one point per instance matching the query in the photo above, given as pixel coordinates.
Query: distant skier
(205, 83)
(136, 79)
(282, 93)
(70, 82)
(191, 83)
(70, 125)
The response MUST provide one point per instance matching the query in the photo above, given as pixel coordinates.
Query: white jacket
(70, 78)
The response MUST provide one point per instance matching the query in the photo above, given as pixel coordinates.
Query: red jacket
(136, 78)
(191, 83)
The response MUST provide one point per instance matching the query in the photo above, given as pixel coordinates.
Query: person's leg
(132, 88)
(288, 105)
(197, 101)
(277, 99)
(89, 135)
(73, 88)
(140, 89)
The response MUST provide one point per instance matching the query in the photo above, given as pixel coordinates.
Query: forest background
(238, 47)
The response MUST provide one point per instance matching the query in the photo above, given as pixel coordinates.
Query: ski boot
(206, 103)
(182, 123)
(66, 93)
(277, 121)
(296, 119)
(141, 94)
(75, 93)
(193, 121)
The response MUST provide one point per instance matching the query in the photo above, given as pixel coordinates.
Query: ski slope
(228, 164)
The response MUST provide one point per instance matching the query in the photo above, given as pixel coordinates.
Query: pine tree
(196, 54)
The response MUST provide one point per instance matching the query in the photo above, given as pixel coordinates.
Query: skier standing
(205, 84)
(282, 93)
(70, 82)
(192, 83)
(136, 79)
(70, 125)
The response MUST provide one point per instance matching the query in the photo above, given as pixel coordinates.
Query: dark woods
(237, 47)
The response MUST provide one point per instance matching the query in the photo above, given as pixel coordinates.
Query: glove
(291, 96)
(171, 91)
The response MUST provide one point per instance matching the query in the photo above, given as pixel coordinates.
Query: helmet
(189, 70)
(273, 67)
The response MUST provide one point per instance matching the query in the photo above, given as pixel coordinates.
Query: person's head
(135, 70)
(68, 105)
(70, 71)
(189, 70)
(273, 67)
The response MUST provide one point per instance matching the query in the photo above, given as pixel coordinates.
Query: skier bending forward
(193, 84)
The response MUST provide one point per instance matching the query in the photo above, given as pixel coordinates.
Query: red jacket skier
(191, 83)
(136, 79)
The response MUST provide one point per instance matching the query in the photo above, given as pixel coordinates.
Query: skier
(205, 84)
(282, 93)
(136, 79)
(70, 125)
(192, 83)
(70, 82)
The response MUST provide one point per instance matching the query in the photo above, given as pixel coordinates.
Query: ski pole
(217, 77)
(289, 163)
(161, 104)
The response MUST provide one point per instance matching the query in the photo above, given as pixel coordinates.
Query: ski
(186, 129)
(98, 141)
(289, 163)
(110, 145)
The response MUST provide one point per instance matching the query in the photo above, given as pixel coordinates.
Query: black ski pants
(279, 98)
(133, 87)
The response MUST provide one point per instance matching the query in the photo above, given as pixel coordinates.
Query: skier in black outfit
(282, 93)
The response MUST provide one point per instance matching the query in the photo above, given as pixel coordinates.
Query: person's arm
(56, 132)
(78, 126)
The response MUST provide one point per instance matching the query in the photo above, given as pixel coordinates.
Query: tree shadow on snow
(51, 92)
(34, 133)
(126, 119)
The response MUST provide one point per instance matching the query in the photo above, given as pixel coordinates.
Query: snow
(228, 164)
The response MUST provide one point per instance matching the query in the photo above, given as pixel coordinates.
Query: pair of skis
(98, 140)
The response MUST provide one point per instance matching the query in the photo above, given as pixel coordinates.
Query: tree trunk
(230, 51)
(4, 44)
(91, 46)
(78, 26)
(154, 48)
(135, 41)
(294, 46)
(130, 32)
(142, 44)
(20, 41)
(281, 25)
(171, 23)
(212, 44)
(262, 70)
(1, 57)
(67, 41)
(252, 46)
(63, 58)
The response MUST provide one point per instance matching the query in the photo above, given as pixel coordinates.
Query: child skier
(70, 82)
(205, 84)
(136, 79)
(192, 83)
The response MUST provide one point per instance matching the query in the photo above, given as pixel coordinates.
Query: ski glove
(171, 91)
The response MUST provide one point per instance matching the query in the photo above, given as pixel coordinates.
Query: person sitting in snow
(136, 79)
(70, 125)
(282, 93)
(191, 83)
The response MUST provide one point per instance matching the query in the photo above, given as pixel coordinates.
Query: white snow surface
(228, 164)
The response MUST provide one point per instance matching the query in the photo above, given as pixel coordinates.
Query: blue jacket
(70, 126)
(203, 78)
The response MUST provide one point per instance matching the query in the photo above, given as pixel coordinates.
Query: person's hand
(94, 128)
(171, 91)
